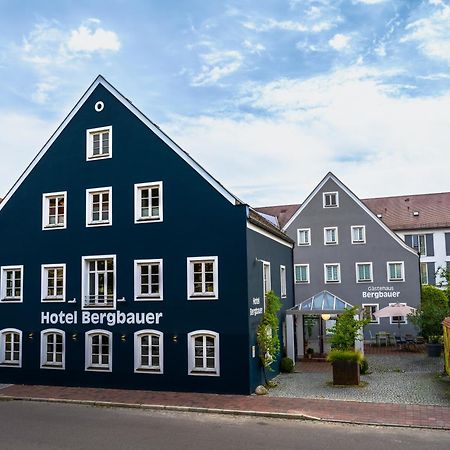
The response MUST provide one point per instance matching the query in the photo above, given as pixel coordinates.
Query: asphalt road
(28, 425)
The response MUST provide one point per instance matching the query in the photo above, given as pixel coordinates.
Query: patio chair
(371, 340)
(410, 342)
(399, 341)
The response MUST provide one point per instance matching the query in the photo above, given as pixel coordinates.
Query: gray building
(345, 255)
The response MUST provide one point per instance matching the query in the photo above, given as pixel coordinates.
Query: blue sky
(268, 95)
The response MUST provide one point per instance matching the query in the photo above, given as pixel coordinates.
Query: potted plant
(429, 317)
(309, 352)
(343, 357)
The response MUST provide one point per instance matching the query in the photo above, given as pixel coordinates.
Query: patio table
(381, 337)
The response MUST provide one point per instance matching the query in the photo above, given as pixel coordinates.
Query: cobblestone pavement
(409, 378)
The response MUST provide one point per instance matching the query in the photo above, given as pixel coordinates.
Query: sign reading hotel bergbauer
(110, 318)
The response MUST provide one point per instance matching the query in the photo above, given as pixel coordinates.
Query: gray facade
(376, 258)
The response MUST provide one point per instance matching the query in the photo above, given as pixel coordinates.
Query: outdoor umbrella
(394, 310)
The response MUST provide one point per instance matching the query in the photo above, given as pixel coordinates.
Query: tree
(267, 333)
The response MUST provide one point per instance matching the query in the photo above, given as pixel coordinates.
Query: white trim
(2, 347)
(425, 264)
(357, 272)
(137, 352)
(404, 322)
(352, 227)
(99, 106)
(137, 201)
(3, 298)
(265, 233)
(403, 272)
(155, 129)
(191, 353)
(330, 176)
(89, 142)
(338, 273)
(85, 282)
(45, 210)
(190, 277)
(264, 265)
(283, 282)
(298, 237)
(150, 297)
(99, 223)
(336, 193)
(307, 274)
(376, 318)
(43, 364)
(88, 351)
(44, 283)
(325, 242)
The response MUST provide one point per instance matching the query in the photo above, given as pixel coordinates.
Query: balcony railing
(99, 301)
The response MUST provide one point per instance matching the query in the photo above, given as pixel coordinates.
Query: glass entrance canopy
(323, 301)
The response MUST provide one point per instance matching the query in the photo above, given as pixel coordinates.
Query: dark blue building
(125, 264)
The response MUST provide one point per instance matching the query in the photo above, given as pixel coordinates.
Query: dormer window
(330, 199)
(99, 143)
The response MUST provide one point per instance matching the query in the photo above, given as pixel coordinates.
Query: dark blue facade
(198, 221)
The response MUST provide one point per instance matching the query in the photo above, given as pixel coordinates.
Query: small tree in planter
(267, 333)
(429, 317)
(344, 358)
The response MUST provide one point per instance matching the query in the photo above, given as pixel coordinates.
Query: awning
(323, 301)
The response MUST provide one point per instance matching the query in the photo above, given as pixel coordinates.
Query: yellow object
(446, 325)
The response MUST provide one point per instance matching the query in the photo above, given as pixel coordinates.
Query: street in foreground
(29, 425)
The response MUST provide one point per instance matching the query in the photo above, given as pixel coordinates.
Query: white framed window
(424, 273)
(99, 207)
(54, 211)
(148, 351)
(331, 199)
(395, 271)
(283, 281)
(301, 272)
(148, 202)
(368, 312)
(364, 272)
(148, 279)
(53, 282)
(358, 234)
(10, 347)
(330, 235)
(11, 284)
(98, 143)
(395, 320)
(419, 243)
(304, 236)
(53, 349)
(98, 351)
(203, 278)
(203, 353)
(98, 283)
(332, 273)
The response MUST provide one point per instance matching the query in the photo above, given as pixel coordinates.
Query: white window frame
(389, 274)
(3, 363)
(370, 264)
(338, 273)
(325, 229)
(138, 198)
(90, 143)
(212, 372)
(85, 281)
(89, 210)
(303, 230)
(354, 227)
(377, 319)
(405, 318)
(283, 282)
(138, 296)
(424, 264)
(324, 194)
(138, 368)
(44, 283)
(46, 211)
(297, 281)
(191, 295)
(3, 298)
(89, 366)
(418, 236)
(44, 363)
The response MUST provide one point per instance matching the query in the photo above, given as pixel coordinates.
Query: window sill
(50, 366)
(203, 297)
(11, 300)
(148, 219)
(54, 227)
(95, 157)
(5, 364)
(53, 300)
(207, 373)
(144, 298)
(98, 369)
(105, 223)
(150, 371)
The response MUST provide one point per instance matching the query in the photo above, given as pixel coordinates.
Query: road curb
(198, 409)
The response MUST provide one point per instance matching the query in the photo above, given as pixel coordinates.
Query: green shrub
(345, 355)
(364, 366)
(286, 365)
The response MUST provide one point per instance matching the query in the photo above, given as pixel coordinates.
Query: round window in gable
(99, 106)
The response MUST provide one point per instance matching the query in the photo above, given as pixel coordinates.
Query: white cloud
(432, 33)
(288, 25)
(216, 65)
(339, 41)
(87, 40)
(369, 2)
(254, 47)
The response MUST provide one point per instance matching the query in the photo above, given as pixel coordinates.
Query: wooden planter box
(434, 350)
(345, 373)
